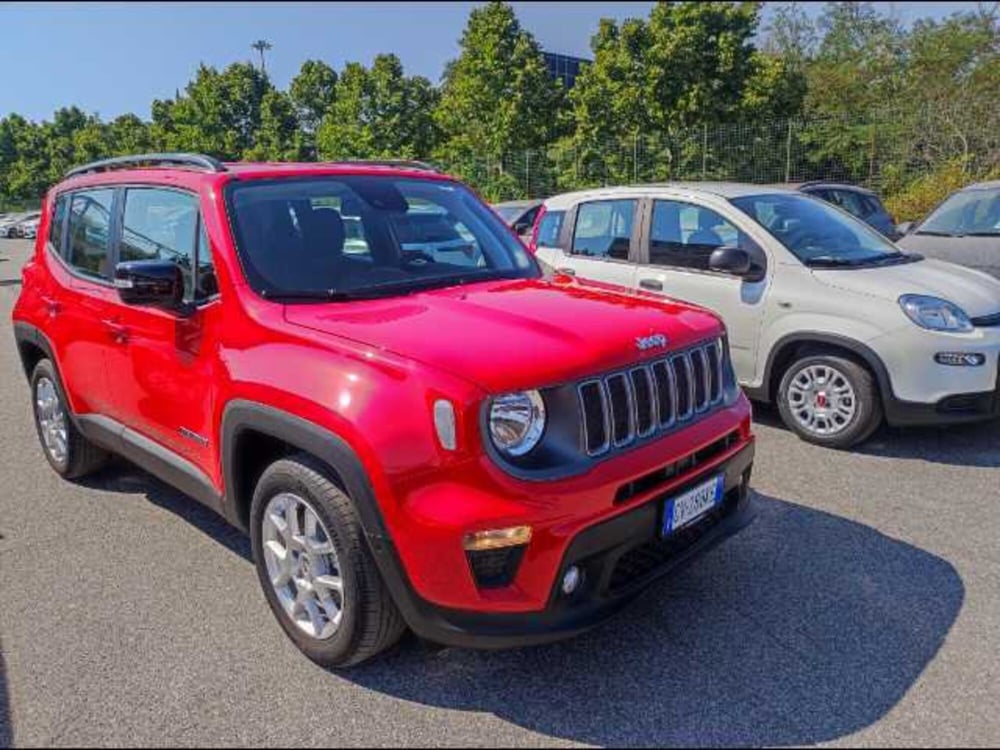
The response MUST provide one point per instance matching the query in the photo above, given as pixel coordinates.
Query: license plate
(692, 505)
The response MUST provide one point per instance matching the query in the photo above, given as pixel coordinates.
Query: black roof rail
(411, 163)
(193, 161)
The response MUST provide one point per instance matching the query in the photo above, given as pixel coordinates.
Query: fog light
(960, 359)
(497, 538)
(571, 580)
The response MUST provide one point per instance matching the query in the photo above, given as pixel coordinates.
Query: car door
(600, 243)
(80, 300)
(163, 367)
(674, 260)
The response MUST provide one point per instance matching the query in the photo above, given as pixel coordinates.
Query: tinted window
(161, 225)
(684, 235)
(604, 229)
(58, 223)
(549, 228)
(968, 212)
(352, 233)
(90, 232)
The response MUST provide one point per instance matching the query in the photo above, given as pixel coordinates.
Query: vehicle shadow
(122, 476)
(955, 445)
(805, 628)
(6, 724)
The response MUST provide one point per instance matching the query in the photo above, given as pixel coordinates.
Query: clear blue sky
(112, 58)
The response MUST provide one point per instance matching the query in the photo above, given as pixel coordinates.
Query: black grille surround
(654, 397)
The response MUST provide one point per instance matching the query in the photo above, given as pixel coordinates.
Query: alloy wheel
(822, 399)
(302, 565)
(51, 419)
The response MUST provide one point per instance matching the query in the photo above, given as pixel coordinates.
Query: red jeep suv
(361, 366)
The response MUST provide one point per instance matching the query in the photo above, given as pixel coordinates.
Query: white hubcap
(302, 565)
(822, 399)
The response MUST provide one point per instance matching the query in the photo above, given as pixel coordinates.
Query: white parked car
(28, 229)
(824, 315)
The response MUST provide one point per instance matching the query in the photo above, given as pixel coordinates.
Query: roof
(720, 189)
(988, 185)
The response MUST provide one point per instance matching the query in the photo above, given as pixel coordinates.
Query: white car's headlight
(517, 421)
(935, 314)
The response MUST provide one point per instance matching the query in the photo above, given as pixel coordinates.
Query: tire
(369, 622)
(68, 452)
(805, 382)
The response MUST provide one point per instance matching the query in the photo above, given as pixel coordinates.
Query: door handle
(653, 284)
(567, 271)
(118, 332)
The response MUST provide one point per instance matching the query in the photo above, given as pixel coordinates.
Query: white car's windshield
(970, 213)
(353, 236)
(817, 233)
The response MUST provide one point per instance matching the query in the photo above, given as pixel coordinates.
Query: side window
(161, 225)
(684, 235)
(90, 232)
(57, 223)
(604, 229)
(549, 228)
(205, 282)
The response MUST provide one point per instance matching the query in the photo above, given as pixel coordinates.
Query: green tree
(497, 100)
(278, 138)
(378, 113)
(312, 93)
(219, 113)
(127, 134)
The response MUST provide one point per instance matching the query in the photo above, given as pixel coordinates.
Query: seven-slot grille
(619, 408)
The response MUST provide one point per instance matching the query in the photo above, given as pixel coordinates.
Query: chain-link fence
(887, 153)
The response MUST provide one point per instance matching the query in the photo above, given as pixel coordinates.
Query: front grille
(619, 408)
(987, 321)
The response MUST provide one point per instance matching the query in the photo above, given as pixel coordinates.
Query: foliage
(690, 91)
(921, 195)
(496, 98)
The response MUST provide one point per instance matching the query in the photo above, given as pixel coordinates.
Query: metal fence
(886, 153)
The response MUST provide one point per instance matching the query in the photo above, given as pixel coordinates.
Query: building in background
(563, 67)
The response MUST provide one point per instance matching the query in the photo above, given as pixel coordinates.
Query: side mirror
(730, 260)
(905, 228)
(158, 283)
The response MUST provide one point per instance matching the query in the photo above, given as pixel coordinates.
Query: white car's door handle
(654, 284)
(567, 271)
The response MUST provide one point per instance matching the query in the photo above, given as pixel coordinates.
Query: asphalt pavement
(862, 607)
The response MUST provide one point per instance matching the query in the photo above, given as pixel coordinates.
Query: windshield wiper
(384, 290)
(992, 233)
(831, 261)
(932, 233)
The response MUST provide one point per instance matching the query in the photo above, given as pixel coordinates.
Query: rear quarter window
(549, 228)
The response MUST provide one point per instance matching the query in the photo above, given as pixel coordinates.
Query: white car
(29, 229)
(824, 315)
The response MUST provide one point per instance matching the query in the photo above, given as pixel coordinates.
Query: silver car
(964, 229)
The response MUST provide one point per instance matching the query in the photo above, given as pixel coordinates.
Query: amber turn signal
(497, 538)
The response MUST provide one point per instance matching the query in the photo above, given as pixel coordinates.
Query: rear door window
(604, 229)
(89, 232)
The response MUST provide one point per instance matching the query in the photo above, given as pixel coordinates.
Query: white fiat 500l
(824, 315)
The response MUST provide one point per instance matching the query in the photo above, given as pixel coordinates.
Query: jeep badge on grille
(654, 341)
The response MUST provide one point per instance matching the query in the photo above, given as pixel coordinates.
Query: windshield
(970, 212)
(355, 236)
(817, 233)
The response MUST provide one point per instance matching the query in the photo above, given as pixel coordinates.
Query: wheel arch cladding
(32, 346)
(814, 343)
(255, 435)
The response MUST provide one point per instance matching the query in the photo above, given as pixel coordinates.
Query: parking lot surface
(862, 607)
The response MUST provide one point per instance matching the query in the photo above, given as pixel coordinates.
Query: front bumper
(620, 557)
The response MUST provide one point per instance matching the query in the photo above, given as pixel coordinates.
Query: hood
(975, 292)
(511, 335)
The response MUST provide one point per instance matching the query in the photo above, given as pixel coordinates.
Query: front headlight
(517, 421)
(935, 314)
